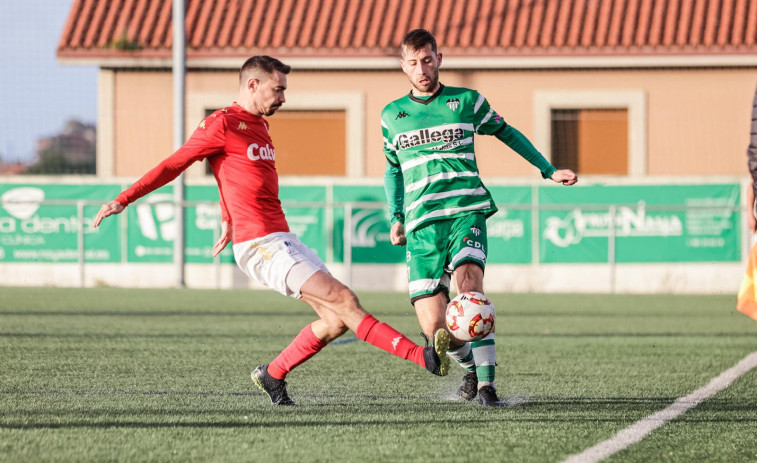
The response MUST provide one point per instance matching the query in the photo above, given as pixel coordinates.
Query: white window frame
(106, 123)
(352, 103)
(633, 100)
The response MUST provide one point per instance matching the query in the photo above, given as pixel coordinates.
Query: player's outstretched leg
(435, 355)
(383, 336)
(323, 290)
(275, 388)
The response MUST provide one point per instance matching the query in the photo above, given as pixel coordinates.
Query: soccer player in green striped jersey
(437, 200)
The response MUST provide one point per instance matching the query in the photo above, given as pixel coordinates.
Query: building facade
(619, 88)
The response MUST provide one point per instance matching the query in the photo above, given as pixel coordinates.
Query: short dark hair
(262, 64)
(417, 39)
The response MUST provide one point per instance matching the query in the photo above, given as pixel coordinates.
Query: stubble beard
(433, 82)
(272, 110)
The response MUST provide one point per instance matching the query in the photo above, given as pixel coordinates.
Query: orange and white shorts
(279, 261)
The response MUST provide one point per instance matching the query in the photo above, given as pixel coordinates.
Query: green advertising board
(651, 223)
(509, 230)
(151, 223)
(307, 222)
(370, 226)
(202, 225)
(40, 223)
(151, 228)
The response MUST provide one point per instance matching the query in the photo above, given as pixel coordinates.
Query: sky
(37, 94)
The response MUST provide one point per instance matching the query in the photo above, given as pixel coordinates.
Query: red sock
(302, 347)
(387, 338)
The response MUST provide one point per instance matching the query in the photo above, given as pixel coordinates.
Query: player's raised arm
(523, 146)
(167, 170)
(203, 143)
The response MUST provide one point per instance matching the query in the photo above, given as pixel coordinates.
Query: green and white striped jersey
(431, 141)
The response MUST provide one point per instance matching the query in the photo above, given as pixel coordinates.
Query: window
(309, 142)
(590, 141)
(601, 132)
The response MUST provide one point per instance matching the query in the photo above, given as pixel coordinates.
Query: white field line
(643, 427)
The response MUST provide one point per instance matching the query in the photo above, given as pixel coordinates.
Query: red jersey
(240, 152)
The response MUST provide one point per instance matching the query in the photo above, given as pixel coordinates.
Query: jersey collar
(429, 99)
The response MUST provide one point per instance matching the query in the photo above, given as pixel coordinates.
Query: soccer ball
(470, 316)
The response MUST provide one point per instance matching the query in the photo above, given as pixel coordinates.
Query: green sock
(485, 357)
(464, 356)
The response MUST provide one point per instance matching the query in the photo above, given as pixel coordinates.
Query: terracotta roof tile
(642, 29)
(88, 36)
(696, 31)
(751, 30)
(373, 28)
(725, 23)
(151, 19)
(711, 22)
(656, 24)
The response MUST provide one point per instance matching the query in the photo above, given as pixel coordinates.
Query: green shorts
(435, 250)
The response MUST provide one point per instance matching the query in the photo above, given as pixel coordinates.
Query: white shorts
(279, 261)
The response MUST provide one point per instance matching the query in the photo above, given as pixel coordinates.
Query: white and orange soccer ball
(470, 316)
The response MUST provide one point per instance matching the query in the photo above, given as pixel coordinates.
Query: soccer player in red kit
(236, 142)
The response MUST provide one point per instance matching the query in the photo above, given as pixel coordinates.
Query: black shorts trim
(438, 290)
(470, 260)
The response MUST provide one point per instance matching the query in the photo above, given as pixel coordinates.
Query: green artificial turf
(163, 375)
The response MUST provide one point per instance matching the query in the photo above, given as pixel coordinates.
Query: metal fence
(723, 242)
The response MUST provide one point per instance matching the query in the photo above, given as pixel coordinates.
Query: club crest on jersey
(256, 152)
(453, 103)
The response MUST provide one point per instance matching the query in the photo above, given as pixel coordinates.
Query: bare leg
(325, 293)
(470, 277)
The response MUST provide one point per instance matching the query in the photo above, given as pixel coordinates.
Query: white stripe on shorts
(465, 253)
(428, 285)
